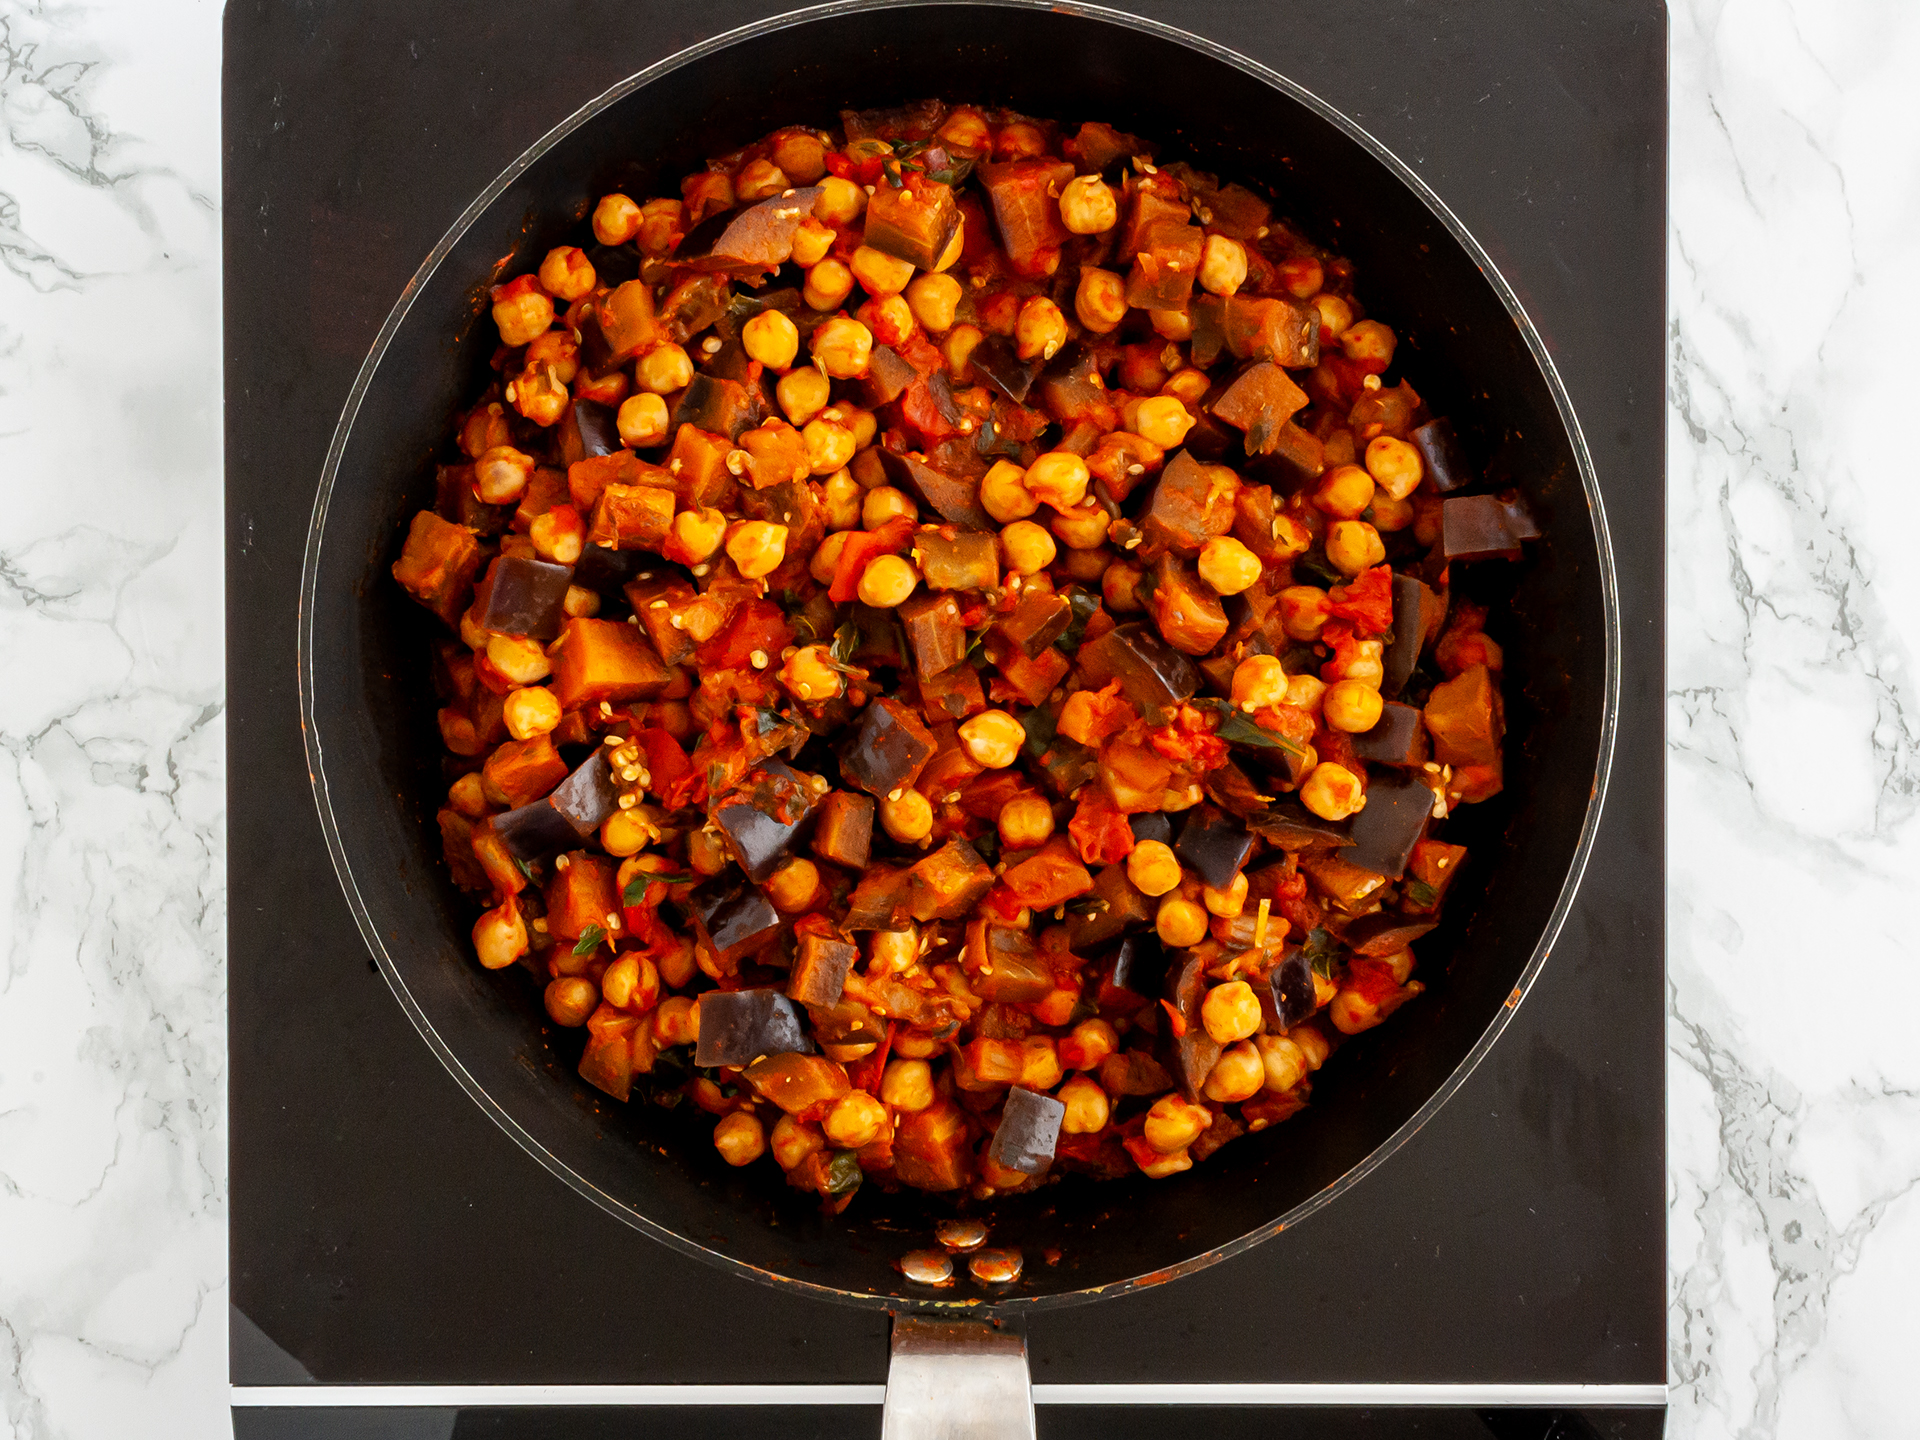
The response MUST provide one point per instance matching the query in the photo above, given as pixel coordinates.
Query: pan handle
(957, 1380)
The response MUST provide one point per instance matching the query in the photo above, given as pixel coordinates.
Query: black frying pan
(367, 706)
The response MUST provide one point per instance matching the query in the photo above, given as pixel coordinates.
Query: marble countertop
(1794, 720)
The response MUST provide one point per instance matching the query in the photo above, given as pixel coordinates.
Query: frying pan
(1466, 345)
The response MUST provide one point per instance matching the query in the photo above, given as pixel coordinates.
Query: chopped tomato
(862, 548)
(1099, 831)
(757, 627)
(1339, 637)
(1190, 741)
(1366, 600)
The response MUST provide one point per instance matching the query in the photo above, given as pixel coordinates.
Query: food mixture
(951, 663)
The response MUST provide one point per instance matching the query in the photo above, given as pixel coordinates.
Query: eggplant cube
(762, 819)
(890, 750)
(534, 831)
(1399, 737)
(1029, 1129)
(1215, 844)
(1385, 832)
(820, 966)
(844, 831)
(732, 916)
(1289, 996)
(737, 1027)
(588, 796)
(1140, 965)
(1152, 826)
(1154, 676)
(523, 597)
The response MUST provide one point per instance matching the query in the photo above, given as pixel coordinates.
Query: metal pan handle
(957, 1380)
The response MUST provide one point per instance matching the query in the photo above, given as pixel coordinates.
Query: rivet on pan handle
(957, 1380)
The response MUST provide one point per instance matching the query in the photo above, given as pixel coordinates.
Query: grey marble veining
(1794, 720)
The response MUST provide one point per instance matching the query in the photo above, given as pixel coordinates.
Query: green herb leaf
(1315, 568)
(1321, 951)
(987, 846)
(1236, 729)
(843, 1173)
(636, 891)
(589, 940)
(1422, 894)
(1084, 603)
(846, 641)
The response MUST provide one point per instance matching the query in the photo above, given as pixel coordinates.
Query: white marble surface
(1795, 723)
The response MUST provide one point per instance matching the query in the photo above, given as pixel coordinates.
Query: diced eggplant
(948, 883)
(1289, 996)
(597, 660)
(732, 916)
(1414, 610)
(721, 407)
(966, 561)
(1191, 503)
(844, 831)
(762, 818)
(1154, 826)
(955, 498)
(698, 464)
(1441, 456)
(1399, 738)
(1193, 1050)
(1386, 830)
(696, 303)
(888, 374)
(453, 499)
(1234, 791)
(1098, 146)
(930, 1148)
(776, 454)
(1485, 527)
(533, 831)
(890, 750)
(1024, 195)
(1260, 402)
(525, 770)
(1134, 1072)
(1385, 933)
(882, 899)
(1004, 965)
(657, 604)
(1215, 844)
(797, 1082)
(1152, 674)
(915, 225)
(1140, 965)
(1186, 608)
(1281, 329)
(437, 565)
(623, 324)
(934, 632)
(894, 123)
(522, 596)
(1289, 825)
(1029, 1129)
(750, 241)
(630, 517)
(1109, 909)
(952, 695)
(1464, 718)
(601, 569)
(820, 966)
(614, 264)
(580, 894)
(737, 1027)
(997, 364)
(589, 795)
(1165, 262)
(589, 430)
(846, 1022)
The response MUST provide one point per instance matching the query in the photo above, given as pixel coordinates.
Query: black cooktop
(385, 1232)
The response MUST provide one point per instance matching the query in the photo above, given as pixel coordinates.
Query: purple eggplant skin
(761, 840)
(1154, 676)
(599, 435)
(887, 375)
(608, 571)
(733, 914)
(524, 597)
(1029, 1130)
(534, 831)
(1289, 996)
(588, 796)
(1194, 1051)
(1140, 965)
(1385, 832)
(1215, 844)
(1385, 933)
(1440, 455)
(1394, 739)
(820, 966)
(1485, 527)
(885, 754)
(995, 361)
(1152, 826)
(1409, 634)
(1289, 825)
(737, 1027)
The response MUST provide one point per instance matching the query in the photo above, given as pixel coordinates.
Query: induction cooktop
(400, 1267)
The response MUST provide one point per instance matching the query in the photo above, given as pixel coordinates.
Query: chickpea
(993, 738)
(1228, 566)
(626, 832)
(1282, 1061)
(1174, 325)
(1225, 903)
(660, 225)
(740, 1138)
(1259, 682)
(1090, 1043)
(908, 819)
(1180, 923)
(760, 180)
(757, 547)
(1088, 1108)
(842, 347)
(631, 982)
(880, 273)
(1335, 316)
(1344, 492)
(520, 659)
(829, 446)
(843, 496)
(1353, 707)
(1353, 546)
(1083, 526)
(1304, 611)
(1088, 206)
(828, 285)
(555, 354)
(677, 1020)
(1223, 265)
(892, 951)
(1100, 300)
(571, 999)
(1390, 514)
(794, 886)
(566, 273)
(884, 503)
(1120, 587)
(966, 129)
(958, 351)
(1369, 343)
(1059, 478)
(1395, 466)
(642, 420)
(809, 675)
(616, 220)
(530, 711)
(699, 533)
(857, 1120)
(825, 561)
(707, 852)
(955, 248)
(500, 935)
(862, 422)
(802, 394)
(1332, 791)
(1188, 386)
(935, 299)
(1152, 868)
(1028, 548)
(663, 369)
(1025, 821)
(500, 475)
(772, 339)
(1040, 330)
(1237, 1075)
(1003, 493)
(887, 581)
(1175, 1123)
(794, 1141)
(1305, 692)
(1290, 537)
(840, 200)
(1163, 420)
(468, 795)
(907, 1085)
(1231, 1012)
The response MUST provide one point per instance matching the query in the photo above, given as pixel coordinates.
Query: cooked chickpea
(993, 738)
(707, 852)
(757, 547)
(1100, 300)
(825, 560)
(887, 581)
(677, 1021)
(1174, 325)
(1163, 420)
(1332, 791)
(530, 711)
(1395, 465)
(1369, 343)
(1223, 265)
(740, 1138)
(1004, 494)
(699, 533)
(1344, 492)
(828, 285)
(663, 369)
(1290, 537)
(856, 1120)
(571, 999)
(500, 935)
(661, 221)
(892, 951)
(809, 676)
(884, 503)
(1237, 1075)
(1188, 386)
(1161, 1166)
(771, 338)
(1390, 514)
(631, 982)
(1231, 1012)
(1025, 821)
(1353, 546)
(966, 129)
(1120, 587)
(840, 200)
(1090, 1043)
(566, 273)
(1259, 682)
(1029, 548)
(1281, 1061)
(642, 420)
(811, 242)
(520, 659)
(1088, 1108)
(1305, 692)
(878, 272)
(759, 180)
(794, 1140)
(1083, 526)
(616, 220)
(1228, 566)
(802, 394)
(1225, 903)
(1173, 1123)
(861, 422)
(1088, 205)
(468, 795)
(626, 832)
(842, 347)
(1152, 868)
(500, 475)
(1059, 478)
(1335, 316)
(843, 497)
(957, 349)
(1352, 706)
(1303, 611)
(907, 1085)
(794, 886)
(1040, 329)
(829, 446)
(555, 354)
(907, 819)
(1180, 923)
(1039, 1063)
(1362, 663)
(935, 299)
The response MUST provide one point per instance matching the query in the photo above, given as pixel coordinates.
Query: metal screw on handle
(957, 1380)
